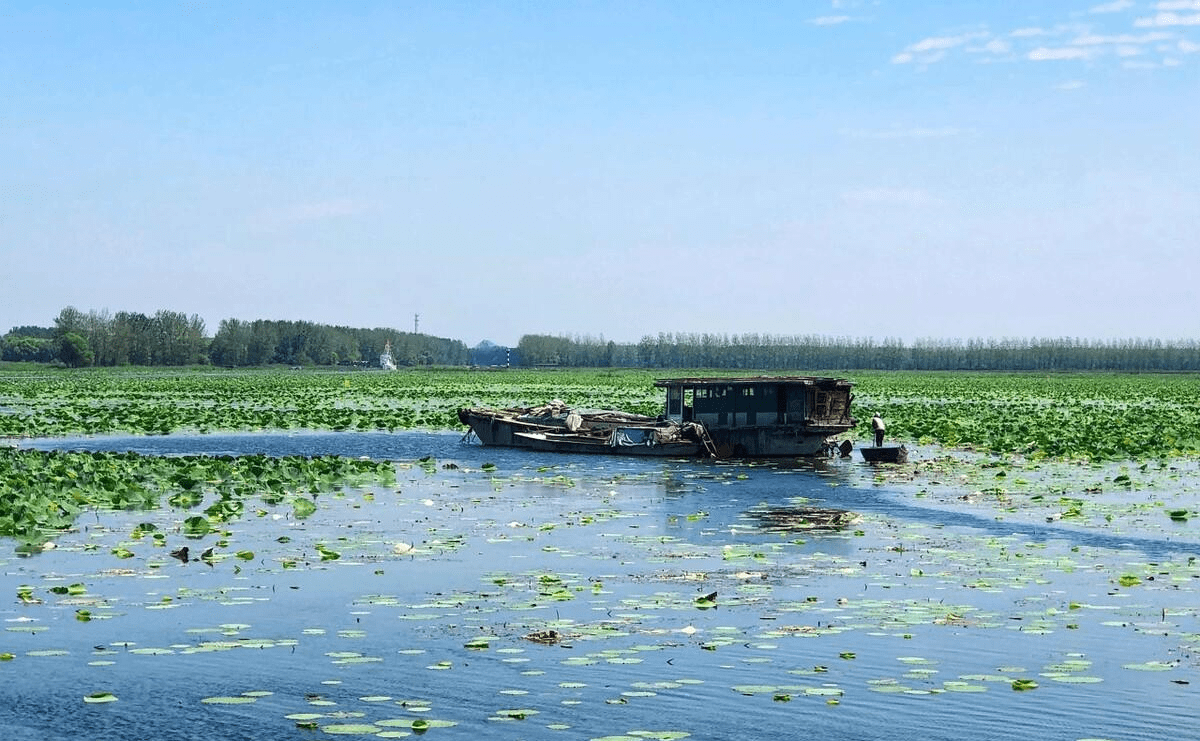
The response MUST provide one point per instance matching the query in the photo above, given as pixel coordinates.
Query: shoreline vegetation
(174, 339)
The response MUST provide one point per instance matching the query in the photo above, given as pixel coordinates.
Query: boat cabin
(751, 413)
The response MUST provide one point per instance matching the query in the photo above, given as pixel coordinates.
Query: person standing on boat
(878, 426)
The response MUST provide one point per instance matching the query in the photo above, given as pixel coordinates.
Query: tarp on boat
(626, 436)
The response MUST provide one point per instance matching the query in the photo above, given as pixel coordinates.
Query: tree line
(98, 338)
(169, 338)
(815, 352)
(261, 342)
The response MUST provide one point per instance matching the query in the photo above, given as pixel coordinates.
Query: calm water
(912, 624)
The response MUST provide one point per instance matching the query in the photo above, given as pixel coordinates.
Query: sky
(892, 169)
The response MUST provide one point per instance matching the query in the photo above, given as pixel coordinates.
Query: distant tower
(416, 324)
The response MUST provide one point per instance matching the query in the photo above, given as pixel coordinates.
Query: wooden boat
(885, 454)
(759, 416)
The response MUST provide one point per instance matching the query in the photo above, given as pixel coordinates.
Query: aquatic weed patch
(97, 401)
(1101, 416)
(42, 492)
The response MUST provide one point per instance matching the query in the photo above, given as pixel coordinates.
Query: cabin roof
(696, 382)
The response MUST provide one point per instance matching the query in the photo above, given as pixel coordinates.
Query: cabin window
(675, 401)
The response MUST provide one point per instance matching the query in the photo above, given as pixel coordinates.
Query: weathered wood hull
(502, 428)
(553, 443)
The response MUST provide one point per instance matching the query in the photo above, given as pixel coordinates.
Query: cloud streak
(1114, 36)
(1167, 20)
(1047, 54)
(830, 20)
(933, 49)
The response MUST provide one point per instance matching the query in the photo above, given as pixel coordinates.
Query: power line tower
(416, 324)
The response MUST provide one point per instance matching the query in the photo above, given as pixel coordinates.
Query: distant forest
(169, 338)
(758, 351)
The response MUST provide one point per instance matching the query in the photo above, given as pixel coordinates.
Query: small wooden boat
(885, 454)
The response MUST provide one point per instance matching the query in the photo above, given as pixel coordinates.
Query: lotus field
(1068, 416)
(306, 554)
(1080, 418)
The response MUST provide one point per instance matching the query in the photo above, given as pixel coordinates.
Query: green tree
(73, 350)
(69, 320)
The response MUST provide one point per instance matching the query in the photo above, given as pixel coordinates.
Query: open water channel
(515, 595)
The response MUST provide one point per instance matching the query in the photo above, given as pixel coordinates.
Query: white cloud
(1127, 39)
(1139, 65)
(1071, 85)
(1163, 20)
(829, 20)
(944, 42)
(906, 58)
(1179, 5)
(1065, 41)
(995, 46)
(933, 49)
(1043, 54)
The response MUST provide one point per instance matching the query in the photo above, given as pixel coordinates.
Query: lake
(517, 595)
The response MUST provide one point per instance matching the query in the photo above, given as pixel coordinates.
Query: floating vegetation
(545, 637)
(1098, 416)
(802, 518)
(351, 729)
(232, 700)
(45, 491)
(603, 594)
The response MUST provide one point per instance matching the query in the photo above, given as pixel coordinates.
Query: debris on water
(791, 519)
(546, 637)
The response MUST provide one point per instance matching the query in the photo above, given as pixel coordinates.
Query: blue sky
(857, 169)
